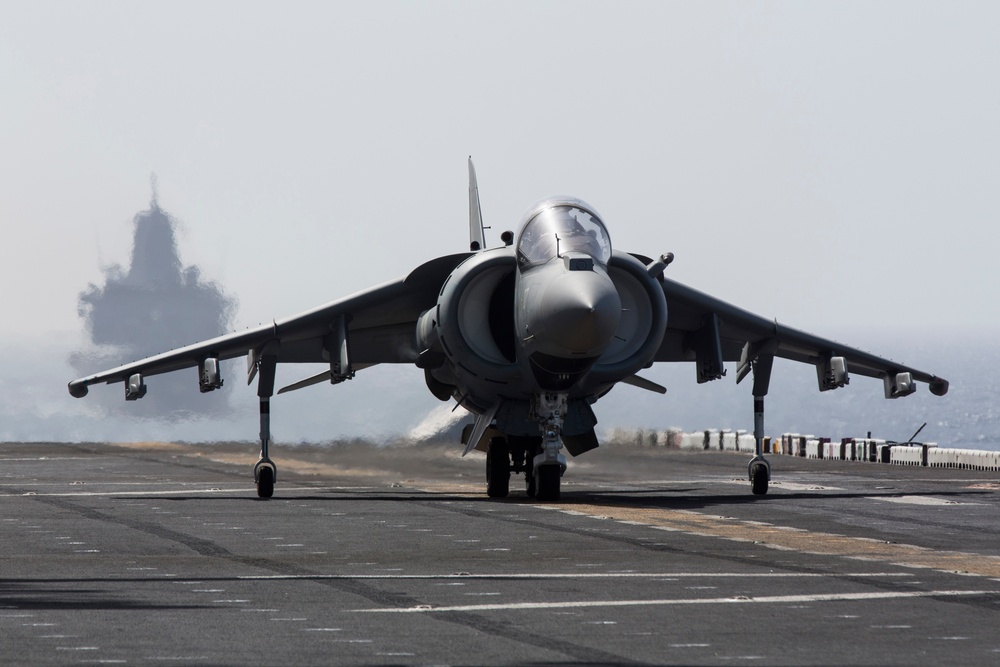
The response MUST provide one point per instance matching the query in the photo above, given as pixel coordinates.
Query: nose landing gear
(539, 458)
(549, 464)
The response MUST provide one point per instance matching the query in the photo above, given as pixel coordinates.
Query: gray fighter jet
(526, 336)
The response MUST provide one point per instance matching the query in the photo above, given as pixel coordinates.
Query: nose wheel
(547, 481)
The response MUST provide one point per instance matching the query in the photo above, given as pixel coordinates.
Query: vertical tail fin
(477, 234)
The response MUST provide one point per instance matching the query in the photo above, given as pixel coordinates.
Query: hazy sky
(833, 165)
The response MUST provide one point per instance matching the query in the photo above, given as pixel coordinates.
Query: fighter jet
(526, 336)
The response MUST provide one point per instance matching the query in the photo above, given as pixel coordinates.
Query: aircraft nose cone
(581, 312)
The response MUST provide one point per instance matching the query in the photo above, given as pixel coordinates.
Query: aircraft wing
(379, 323)
(708, 330)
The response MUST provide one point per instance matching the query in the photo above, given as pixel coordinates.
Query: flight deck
(162, 554)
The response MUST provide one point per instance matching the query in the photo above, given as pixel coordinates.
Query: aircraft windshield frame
(563, 228)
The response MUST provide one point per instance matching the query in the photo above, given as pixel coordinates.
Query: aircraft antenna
(918, 432)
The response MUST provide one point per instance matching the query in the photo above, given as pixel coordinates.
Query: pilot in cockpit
(561, 229)
(582, 240)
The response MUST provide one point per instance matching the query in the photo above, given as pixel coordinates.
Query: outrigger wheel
(760, 475)
(265, 481)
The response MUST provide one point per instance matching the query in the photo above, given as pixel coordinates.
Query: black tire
(265, 482)
(498, 468)
(532, 446)
(758, 480)
(548, 483)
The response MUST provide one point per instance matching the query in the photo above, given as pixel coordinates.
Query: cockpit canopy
(558, 226)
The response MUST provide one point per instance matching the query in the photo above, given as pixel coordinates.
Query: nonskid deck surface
(162, 554)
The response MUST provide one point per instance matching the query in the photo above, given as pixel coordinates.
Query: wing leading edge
(707, 330)
(380, 322)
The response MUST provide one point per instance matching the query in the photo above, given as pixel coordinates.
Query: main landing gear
(505, 456)
(517, 454)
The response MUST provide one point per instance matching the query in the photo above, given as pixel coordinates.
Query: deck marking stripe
(773, 599)
(784, 538)
(243, 490)
(807, 542)
(920, 500)
(574, 575)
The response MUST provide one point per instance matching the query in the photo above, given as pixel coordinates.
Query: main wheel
(758, 480)
(497, 468)
(547, 477)
(531, 448)
(265, 482)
